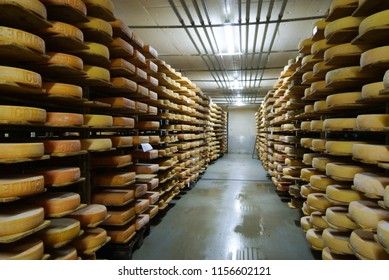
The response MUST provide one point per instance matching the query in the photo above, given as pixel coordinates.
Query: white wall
(241, 130)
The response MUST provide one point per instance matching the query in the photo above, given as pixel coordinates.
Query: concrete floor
(233, 212)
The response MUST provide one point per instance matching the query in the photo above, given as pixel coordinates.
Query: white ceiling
(157, 23)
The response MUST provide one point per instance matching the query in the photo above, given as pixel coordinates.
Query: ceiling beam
(231, 70)
(217, 54)
(222, 24)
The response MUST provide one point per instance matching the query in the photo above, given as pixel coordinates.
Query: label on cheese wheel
(22, 37)
(21, 113)
(20, 76)
(64, 29)
(21, 185)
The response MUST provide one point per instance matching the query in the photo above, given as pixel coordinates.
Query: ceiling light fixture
(229, 34)
(236, 84)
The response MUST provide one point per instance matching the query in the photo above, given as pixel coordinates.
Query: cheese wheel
(120, 215)
(341, 148)
(375, 21)
(67, 252)
(305, 190)
(90, 215)
(34, 6)
(96, 24)
(308, 158)
(23, 38)
(152, 211)
(113, 179)
(343, 99)
(120, 234)
(320, 69)
(347, 77)
(372, 122)
(308, 109)
(386, 79)
(59, 231)
(338, 218)
(305, 223)
(339, 124)
(290, 171)
(145, 168)
(319, 47)
(320, 106)
(308, 61)
(386, 197)
(19, 219)
(61, 28)
(371, 184)
(320, 163)
(372, 91)
(383, 233)
(62, 89)
(328, 255)
(306, 142)
(117, 102)
(321, 88)
(124, 83)
(121, 29)
(123, 64)
(94, 49)
(343, 171)
(21, 185)
(96, 72)
(318, 145)
(141, 221)
(119, 48)
(106, 4)
(305, 45)
(375, 57)
(29, 248)
(75, 4)
(316, 219)
(320, 182)
(345, 54)
(315, 238)
(305, 125)
(63, 59)
(123, 121)
(98, 120)
(365, 247)
(337, 241)
(147, 125)
(152, 184)
(318, 202)
(62, 146)
(342, 24)
(371, 153)
(21, 113)
(20, 76)
(96, 144)
(56, 203)
(64, 119)
(367, 213)
(21, 150)
(139, 190)
(317, 125)
(141, 205)
(342, 195)
(306, 173)
(113, 197)
(122, 141)
(90, 239)
(60, 175)
(338, 4)
(306, 209)
(110, 160)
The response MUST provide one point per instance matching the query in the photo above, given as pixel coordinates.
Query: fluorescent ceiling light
(236, 84)
(229, 34)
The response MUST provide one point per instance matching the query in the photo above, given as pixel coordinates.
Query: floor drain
(248, 253)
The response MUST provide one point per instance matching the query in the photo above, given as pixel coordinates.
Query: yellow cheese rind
(22, 113)
(56, 203)
(63, 119)
(23, 38)
(367, 213)
(372, 91)
(342, 195)
(371, 153)
(338, 218)
(318, 202)
(76, 4)
(305, 223)
(21, 150)
(337, 241)
(96, 72)
(61, 28)
(62, 146)
(98, 120)
(95, 144)
(340, 124)
(34, 6)
(383, 233)
(62, 89)
(371, 184)
(14, 186)
(375, 56)
(342, 24)
(315, 238)
(96, 24)
(317, 220)
(364, 246)
(372, 122)
(341, 148)
(375, 21)
(320, 182)
(343, 171)
(20, 76)
(60, 230)
(340, 99)
(29, 248)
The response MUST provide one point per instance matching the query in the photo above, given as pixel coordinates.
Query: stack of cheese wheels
(319, 163)
(306, 173)
(371, 184)
(305, 223)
